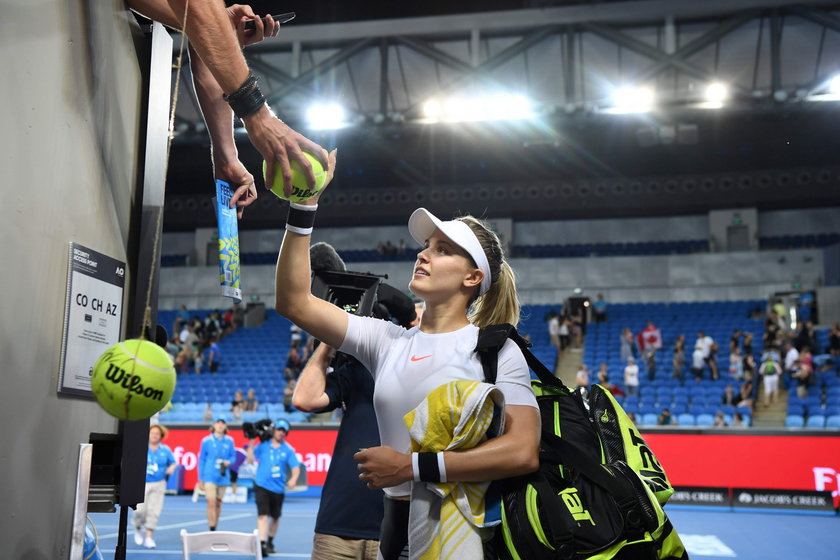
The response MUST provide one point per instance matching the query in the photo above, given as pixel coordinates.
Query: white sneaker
(149, 542)
(138, 537)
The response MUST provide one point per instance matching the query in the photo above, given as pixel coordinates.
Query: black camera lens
(223, 469)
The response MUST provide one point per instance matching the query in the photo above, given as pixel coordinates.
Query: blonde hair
(161, 428)
(501, 303)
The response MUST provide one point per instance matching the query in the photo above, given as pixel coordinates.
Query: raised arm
(310, 395)
(293, 295)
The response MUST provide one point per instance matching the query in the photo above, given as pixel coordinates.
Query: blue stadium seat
(833, 421)
(686, 420)
(705, 420)
(649, 419)
(815, 421)
(794, 421)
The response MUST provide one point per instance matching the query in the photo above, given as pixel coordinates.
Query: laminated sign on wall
(92, 315)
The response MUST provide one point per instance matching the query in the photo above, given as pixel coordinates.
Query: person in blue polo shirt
(217, 453)
(273, 457)
(160, 463)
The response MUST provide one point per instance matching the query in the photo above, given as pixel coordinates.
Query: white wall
(70, 115)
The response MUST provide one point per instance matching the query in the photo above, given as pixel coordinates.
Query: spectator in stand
(228, 324)
(293, 365)
(577, 328)
(582, 378)
(806, 337)
(187, 336)
(749, 365)
(238, 316)
(770, 371)
(729, 397)
(791, 357)
(627, 345)
(698, 362)
(632, 417)
(650, 363)
(804, 377)
(295, 336)
(705, 343)
(181, 318)
(208, 412)
(288, 395)
(631, 378)
(678, 357)
(735, 339)
(604, 381)
(834, 339)
(720, 420)
(712, 361)
(238, 400)
(806, 359)
(198, 356)
(214, 356)
(251, 403)
(738, 421)
(745, 392)
(736, 363)
(236, 412)
(564, 332)
(600, 309)
(665, 419)
(747, 344)
(554, 330)
(212, 325)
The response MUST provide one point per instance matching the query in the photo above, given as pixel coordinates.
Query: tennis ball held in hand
(300, 189)
(133, 379)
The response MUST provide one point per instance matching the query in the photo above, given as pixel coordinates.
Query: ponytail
(501, 303)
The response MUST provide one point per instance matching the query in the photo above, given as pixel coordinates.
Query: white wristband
(415, 468)
(441, 467)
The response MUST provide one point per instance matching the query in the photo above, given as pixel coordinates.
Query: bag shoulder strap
(490, 341)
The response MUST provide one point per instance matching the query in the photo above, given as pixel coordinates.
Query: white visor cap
(423, 223)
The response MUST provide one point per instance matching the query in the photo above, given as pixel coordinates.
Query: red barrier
(314, 449)
(792, 462)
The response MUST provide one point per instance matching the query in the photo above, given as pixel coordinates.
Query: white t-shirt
(554, 326)
(631, 375)
(705, 344)
(407, 365)
(698, 360)
(791, 356)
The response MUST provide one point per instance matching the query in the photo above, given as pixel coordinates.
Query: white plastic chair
(221, 541)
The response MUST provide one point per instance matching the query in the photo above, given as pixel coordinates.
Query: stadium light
(323, 116)
(834, 85)
(716, 95)
(635, 99)
(479, 108)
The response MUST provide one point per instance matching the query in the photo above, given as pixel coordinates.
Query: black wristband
(427, 464)
(301, 218)
(246, 100)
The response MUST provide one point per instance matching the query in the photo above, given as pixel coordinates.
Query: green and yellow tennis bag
(599, 491)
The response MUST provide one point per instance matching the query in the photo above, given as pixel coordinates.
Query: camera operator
(350, 513)
(217, 453)
(273, 455)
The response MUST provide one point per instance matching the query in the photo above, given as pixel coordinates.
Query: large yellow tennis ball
(133, 379)
(300, 190)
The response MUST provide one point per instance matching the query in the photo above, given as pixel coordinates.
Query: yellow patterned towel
(447, 518)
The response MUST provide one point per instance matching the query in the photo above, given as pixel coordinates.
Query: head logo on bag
(599, 491)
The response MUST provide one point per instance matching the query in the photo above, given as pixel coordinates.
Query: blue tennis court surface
(708, 533)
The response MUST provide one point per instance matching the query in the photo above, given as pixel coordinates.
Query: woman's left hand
(383, 467)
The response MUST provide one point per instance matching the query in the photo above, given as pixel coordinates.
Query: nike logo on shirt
(417, 359)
